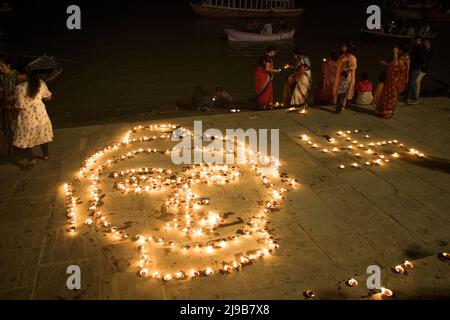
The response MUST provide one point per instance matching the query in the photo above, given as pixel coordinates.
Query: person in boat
(263, 79)
(417, 55)
(299, 59)
(379, 88)
(267, 28)
(302, 87)
(347, 62)
(282, 26)
(411, 32)
(33, 126)
(396, 81)
(201, 99)
(363, 89)
(9, 78)
(324, 94)
(252, 26)
(424, 31)
(222, 99)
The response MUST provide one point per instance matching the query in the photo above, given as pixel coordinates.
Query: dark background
(133, 56)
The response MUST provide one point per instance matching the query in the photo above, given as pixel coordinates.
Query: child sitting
(222, 99)
(379, 88)
(363, 89)
(342, 92)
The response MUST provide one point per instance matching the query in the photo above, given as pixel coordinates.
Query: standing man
(424, 71)
(416, 67)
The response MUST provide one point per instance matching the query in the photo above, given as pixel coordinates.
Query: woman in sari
(396, 81)
(263, 79)
(289, 85)
(302, 86)
(347, 63)
(324, 93)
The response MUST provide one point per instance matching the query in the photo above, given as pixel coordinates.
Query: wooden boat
(418, 15)
(236, 35)
(421, 5)
(45, 67)
(247, 8)
(5, 8)
(392, 36)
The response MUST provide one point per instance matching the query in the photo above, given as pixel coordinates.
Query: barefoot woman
(33, 127)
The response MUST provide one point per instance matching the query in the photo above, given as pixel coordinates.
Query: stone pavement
(331, 229)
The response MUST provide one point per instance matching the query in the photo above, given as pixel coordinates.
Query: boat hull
(236, 35)
(46, 68)
(416, 15)
(208, 11)
(392, 37)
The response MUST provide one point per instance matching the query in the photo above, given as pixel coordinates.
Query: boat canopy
(251, 4)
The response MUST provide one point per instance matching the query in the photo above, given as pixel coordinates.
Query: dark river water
(132, 56)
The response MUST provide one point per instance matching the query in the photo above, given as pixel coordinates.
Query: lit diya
(387, 292)
(444, 256)
(309, 294)
(399, 269)
(408, 265)
(352, 283)
(143, 273)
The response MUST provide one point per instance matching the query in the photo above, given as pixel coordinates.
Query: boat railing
(251, 4)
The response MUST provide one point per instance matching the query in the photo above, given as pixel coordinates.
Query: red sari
(396, 81)
(263, 84)
(324, 94)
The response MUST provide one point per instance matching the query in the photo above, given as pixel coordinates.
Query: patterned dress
(396, 81)
(33, 126)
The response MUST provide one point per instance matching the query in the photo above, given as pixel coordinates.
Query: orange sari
(347, 62)
(324, 94)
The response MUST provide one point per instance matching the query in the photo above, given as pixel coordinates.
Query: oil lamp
(143, 273)
(399, 269)
(352, 283)
(386, 292)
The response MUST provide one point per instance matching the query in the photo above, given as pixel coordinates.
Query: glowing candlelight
(168, 277)
(399, 269)
(194, 274)
(445, 255)
(386, 292)
(352, 283)
(143, 273)
(209, 272)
